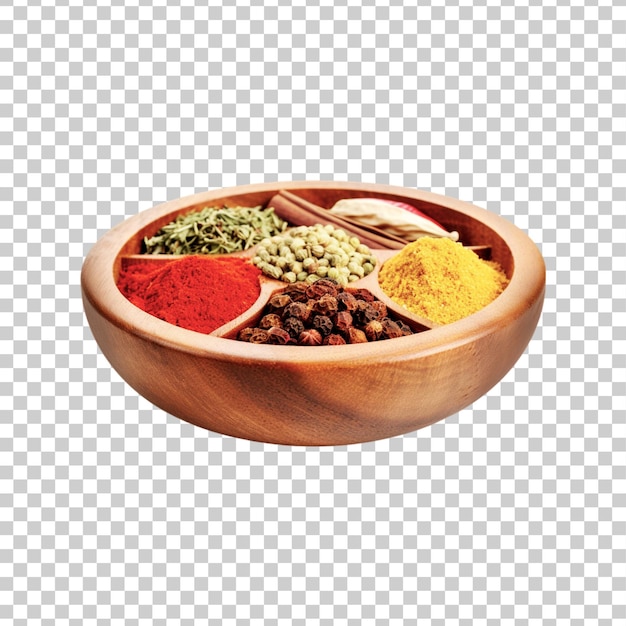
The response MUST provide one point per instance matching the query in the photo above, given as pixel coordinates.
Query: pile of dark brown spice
(323, 313)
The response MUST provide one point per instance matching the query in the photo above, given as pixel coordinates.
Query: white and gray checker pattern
(510, 512)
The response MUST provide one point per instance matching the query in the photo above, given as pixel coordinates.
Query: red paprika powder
(197, 293)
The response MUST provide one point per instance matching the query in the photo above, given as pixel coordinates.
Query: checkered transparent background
(511, 512)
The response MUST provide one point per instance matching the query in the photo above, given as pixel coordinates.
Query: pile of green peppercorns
(307, 253)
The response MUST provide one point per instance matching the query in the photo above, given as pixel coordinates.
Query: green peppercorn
(263, 254)
(309, 265)
(301, 254)
(272, 270)
(317, 250)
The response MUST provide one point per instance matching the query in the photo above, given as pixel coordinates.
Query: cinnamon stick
(298, 211)
(349, 224)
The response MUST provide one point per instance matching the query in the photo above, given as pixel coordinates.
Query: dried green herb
(215, 231)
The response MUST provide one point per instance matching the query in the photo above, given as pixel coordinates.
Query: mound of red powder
(194, 292)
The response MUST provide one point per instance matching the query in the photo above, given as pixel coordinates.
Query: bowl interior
(473, 232)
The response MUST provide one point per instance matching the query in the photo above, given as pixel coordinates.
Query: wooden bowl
(323, 395)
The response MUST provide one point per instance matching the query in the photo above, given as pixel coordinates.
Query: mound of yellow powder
(440, 280)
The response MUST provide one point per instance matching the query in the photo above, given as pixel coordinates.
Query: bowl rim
(527, 284)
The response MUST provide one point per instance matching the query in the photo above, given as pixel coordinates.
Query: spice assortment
(297, 395)
(307, 253)
(215, 231)
(323, 313)
(205, 286)
(441, 280)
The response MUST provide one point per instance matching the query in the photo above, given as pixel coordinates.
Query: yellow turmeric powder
(440, 280)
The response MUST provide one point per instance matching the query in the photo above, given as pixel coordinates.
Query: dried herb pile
(215, 231)
(323, 313)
